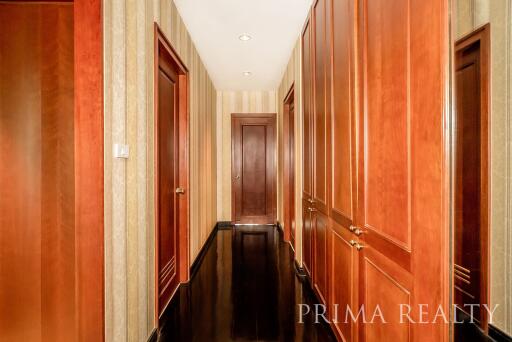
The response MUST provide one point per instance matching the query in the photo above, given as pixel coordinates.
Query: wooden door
(171, 186)
(253, 169)
(167, 179)
(471, 237)
(321, 14)
(51, 172)
(344, 257)
(307, 158)
(289, 166)
(403, 169)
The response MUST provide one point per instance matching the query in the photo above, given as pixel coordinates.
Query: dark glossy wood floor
(245, 289)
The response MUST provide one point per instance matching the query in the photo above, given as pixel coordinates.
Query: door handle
(311, 209)
(180, 191)
(312, 201)
(237, 177)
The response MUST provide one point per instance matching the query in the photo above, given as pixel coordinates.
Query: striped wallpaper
(129, 204)
(229, 102)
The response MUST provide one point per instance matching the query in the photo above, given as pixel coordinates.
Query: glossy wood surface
(253, 168)
(172, 172)
(471, 231)
(246, 289)
(307, 95)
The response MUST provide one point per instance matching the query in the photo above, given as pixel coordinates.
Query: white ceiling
(215, 26)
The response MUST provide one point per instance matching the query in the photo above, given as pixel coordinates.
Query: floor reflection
(245, 290)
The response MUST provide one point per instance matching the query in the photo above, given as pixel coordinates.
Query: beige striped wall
(229, 102)
(292, 76)
(470, 15)
(129, 204)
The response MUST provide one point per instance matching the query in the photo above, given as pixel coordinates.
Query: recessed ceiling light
(247, 73)
(245, 37)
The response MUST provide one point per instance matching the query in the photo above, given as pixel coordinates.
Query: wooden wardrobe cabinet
(375, 193)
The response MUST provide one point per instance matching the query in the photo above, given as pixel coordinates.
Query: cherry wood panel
(342, 117)
(171, 172)
(51, 123)
(321, 109)
(320, 224)
(402, 181)
(253, 168)
(343, 282)
(307, 96)
(387, 175)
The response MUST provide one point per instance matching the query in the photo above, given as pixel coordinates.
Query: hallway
(245, 289)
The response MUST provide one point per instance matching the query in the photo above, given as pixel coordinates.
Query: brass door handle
(237, 177)
(312, 201)
(311, 209)
(180, 191)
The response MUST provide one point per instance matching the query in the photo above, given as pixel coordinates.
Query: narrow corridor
(246, 289)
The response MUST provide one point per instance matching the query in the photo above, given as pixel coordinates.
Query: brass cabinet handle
(355, 230)
(180, 191)
(311, 209)
(356, 244)
(312, 201)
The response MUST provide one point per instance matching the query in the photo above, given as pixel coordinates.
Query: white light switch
(121, 151)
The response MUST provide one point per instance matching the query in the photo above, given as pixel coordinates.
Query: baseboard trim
(199, 259)
(498, 335)
(154, 336)
(224, 225)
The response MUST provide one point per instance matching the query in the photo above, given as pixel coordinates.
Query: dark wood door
(253, 169)
(307, 165)
(167, 179)
(471, 180)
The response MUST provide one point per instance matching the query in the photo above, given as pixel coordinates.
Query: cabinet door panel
(307, 237)
(321, 56)
(344, 282)
(320, 223)
(307, 88)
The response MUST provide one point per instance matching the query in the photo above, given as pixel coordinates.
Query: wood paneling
(386, 190)
(89, 171)
(387, 175)
(52, 145)
(289, 166)
(307, 89)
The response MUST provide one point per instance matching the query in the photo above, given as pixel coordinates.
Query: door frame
(289, 166)
(482, 36)
(271, 116)
(183, 262)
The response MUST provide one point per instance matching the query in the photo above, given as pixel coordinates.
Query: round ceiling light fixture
(247, 73)
(244, 37)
